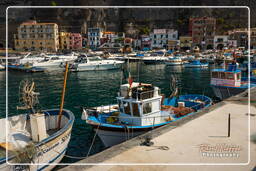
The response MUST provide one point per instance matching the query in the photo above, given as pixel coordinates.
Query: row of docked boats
(85, 62)
(38, 138)
(41, 137)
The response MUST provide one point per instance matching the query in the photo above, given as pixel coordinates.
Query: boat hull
(150, 62)
(49, 151)
(195, 66)
(226, 92)
(111, 136)
(99, 67)
(174, 63)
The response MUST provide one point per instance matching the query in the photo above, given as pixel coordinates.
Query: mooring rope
(93, 140)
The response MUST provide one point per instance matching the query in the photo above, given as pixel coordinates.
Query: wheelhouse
(226, 77)
(139, 104)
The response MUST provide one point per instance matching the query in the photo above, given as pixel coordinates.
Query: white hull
(111, 138)
(97, 67)
(48, 151)
(174, 63)
(195, 66)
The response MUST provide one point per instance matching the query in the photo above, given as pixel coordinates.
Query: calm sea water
(94, 89)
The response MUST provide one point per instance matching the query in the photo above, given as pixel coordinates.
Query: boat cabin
(226, 77)
(139, 104)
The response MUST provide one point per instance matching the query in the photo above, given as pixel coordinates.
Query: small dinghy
(140, 108)
(36, 140)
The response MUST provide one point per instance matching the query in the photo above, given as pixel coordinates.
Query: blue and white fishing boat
(196, 64)
(140, 108)
(229, 82)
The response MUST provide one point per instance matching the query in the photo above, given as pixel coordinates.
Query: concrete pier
(201, 140)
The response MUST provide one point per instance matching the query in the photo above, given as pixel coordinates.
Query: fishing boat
(229, 82)
(196, 64)
(140, 108)
(174, 61)
(95, 64)
(34, 135)
(38, 139)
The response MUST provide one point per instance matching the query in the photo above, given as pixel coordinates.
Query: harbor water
(95, 88)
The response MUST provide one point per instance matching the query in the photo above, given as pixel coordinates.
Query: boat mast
(63, 95)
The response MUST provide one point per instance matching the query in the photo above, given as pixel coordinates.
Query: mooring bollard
(229, 125)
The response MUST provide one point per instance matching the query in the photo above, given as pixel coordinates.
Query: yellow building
(185, 42)
(173, 44)
(64, 40)
(33, 36)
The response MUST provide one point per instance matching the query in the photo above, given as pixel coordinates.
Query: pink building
(75, 41)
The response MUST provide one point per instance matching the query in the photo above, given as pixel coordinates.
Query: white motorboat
(52, 61)
(95, 64)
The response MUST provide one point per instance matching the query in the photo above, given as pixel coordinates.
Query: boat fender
(84, 114)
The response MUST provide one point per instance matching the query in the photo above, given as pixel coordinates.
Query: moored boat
(229, 82)
(196, 64)
(24, 149)
(37, 140)
(174, 61)
(95, 64)
(140, 108)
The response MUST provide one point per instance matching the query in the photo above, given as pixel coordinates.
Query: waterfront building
(240, 35)
(220, 41)
(253, 38)
(33, 36)
(84, 41)
(160, 37)
(185, 42)
(145, 42)
(70, 41)
(64, 40)
(173, 44)
(75, 41)
(128, 42)
(202, 31)
(94, 36)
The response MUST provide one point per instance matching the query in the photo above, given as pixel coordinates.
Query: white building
(160, 37)
(94, 36)
(220, 41)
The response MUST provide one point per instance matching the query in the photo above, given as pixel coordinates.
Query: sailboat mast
(63, 95)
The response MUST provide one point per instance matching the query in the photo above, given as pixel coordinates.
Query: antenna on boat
(63, 95)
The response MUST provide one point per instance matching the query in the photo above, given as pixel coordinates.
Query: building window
(166, 36)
